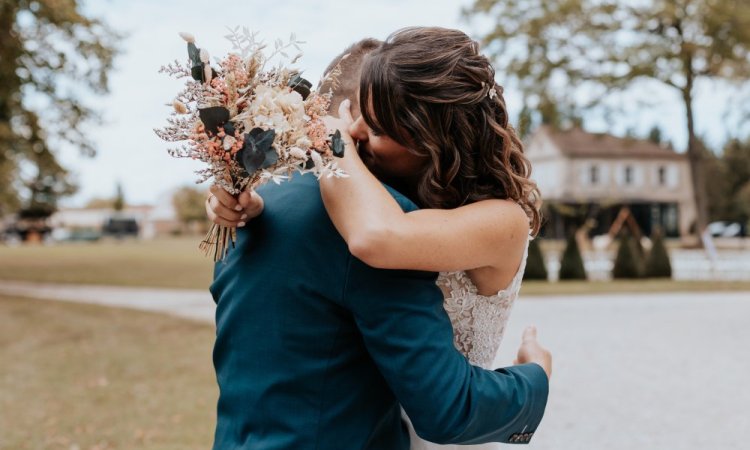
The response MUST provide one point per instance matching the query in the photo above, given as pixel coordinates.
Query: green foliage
(629, 261)
(729, 187)
(717, 191)
(189, 203)
(655, 135)
(571, 264)
(742, 201)
(657, 263)
(736, 158)
(640, 253)
(555, 49)
(119, 202)
(49, 51)
(535, 267)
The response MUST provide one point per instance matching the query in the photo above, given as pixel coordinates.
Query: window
(662, 177)
(628, 174)
(594, 175)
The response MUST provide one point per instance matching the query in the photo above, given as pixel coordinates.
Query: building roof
(577, 143)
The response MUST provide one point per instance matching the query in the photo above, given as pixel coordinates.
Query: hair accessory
(491, 92)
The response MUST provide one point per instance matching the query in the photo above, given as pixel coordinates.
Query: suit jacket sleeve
(409, 335)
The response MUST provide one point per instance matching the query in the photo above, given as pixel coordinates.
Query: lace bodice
(478, 320)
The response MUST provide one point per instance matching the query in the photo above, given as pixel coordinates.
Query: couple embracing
(365, 312)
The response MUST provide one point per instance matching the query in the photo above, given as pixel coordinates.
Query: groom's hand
(531, 352)
(223, 209)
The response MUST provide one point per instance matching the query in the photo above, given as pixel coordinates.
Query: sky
(130, 153)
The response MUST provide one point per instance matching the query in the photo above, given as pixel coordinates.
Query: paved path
(189, 303)
(661, 371)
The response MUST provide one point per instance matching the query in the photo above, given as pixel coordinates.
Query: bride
(434, 126)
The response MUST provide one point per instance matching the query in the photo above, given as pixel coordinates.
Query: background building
(585, 176)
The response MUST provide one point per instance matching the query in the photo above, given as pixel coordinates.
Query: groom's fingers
(225, 198)
(529, 334)
(251, 203)
(222, 213)
(214, 217)
(222, 208)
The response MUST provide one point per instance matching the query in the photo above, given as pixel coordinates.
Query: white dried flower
(189, 38)
(276, 177)
(290, 102)
(204, 56)
(179, 107)
(229, 142)
(208, 74)
(298, 153)
(303, 142)
(318, 160)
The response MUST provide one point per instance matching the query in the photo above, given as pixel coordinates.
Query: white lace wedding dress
(478, 326)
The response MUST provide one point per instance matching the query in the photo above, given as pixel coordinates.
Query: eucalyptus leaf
(229, 128)
(197, 72)
(257, 150)
(194, 53)
(213, 118)
(300, 85)
(337, 144)
(196, 66)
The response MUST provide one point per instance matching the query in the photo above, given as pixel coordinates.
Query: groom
(314, 349)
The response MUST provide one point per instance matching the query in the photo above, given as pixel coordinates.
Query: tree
(655, 135)
(189, 203)
(742, 203)
(729, 174)
(657, 263)
(628, 263)
(717, 191)
(571, 264)
(118, 204)
(552, 46)
(736, 159)
(535, 267)
(49, 54)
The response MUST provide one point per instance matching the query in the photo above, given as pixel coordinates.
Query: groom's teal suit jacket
(316, 350)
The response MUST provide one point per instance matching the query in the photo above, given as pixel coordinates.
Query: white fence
(730, 265)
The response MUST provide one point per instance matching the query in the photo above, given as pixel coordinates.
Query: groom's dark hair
(346, 84)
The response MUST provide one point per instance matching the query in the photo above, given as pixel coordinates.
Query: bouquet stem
(217, 241)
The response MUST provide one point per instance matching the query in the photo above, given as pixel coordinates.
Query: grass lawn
(175, 263)
(89, 377)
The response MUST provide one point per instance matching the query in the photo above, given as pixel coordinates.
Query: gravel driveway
(661, 372)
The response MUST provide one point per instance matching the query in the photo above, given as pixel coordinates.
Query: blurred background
(635, 118)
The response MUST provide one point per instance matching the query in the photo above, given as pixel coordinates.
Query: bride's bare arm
(486, 233)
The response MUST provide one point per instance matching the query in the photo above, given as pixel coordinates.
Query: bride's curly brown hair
(431, 91)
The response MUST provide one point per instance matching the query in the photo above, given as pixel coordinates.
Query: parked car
(121, 227)
(727, 229)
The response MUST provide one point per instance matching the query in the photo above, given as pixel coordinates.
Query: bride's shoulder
(508, 215)
(505, 228)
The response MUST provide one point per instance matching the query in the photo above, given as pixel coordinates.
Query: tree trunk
(695, 154)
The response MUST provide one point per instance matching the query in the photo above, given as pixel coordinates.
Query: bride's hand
(531, 352)
(223, 209)
(342, 124)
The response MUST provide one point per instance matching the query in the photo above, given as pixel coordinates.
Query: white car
(725, 229)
